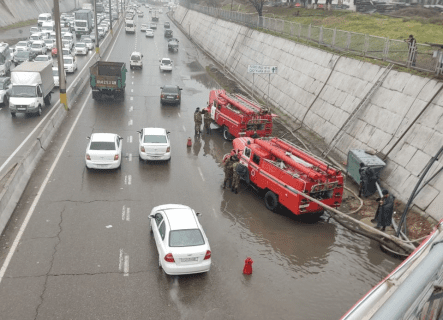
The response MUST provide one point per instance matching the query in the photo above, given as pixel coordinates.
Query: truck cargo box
(32, 73)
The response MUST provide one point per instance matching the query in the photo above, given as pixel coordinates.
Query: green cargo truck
(108, 79)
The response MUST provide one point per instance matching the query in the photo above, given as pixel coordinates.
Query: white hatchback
(165, 64)
(149, 33)
(43, 57)
(70, 65)
(143, 27)
(154, 144)
(136, 60)
(104, 151)
(80, 48)
(182, 245)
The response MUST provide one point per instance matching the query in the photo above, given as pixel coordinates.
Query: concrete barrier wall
(323, 88)
(21, 173)
(13, 11)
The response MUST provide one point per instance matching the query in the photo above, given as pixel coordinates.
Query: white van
(44, 17)
(48, 26)
(129, 26)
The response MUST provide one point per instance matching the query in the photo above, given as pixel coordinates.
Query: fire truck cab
(278, 167)
(239, 116)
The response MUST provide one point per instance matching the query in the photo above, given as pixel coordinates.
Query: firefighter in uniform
(236, 176)
(228, 170)
(197, 120)
(207, 121)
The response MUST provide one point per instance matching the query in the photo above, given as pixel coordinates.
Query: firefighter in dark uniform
(228, 170)
(384, 217)
(197, 120)
(207, 121)
(236, 176)
(368, 179)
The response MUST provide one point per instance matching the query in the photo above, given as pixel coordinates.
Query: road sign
(261, 69)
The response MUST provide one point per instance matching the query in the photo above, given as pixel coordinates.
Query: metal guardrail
(421, 57)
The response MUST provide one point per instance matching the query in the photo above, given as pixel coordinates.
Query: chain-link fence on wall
(421, 56)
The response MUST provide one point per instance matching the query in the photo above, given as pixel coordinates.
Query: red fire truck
(239, 116)
(278, 167)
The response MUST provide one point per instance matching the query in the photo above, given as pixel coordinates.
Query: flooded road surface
(68, 264)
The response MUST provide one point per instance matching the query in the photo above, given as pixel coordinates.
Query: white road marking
(123, 212)
(215, 213)
(128, 179)
(126, 213)
(184, 129)
(130, 122)
(132, 98)
(39, 194)
(130, 139)
(132, 82)
(120, 260)
(179, 115)
(130, 157)
(201, 173)
(132, 77)
(126, 266)
(132, 90)
(131, 108)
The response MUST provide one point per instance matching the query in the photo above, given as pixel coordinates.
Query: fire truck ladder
(246, 103)
(339, 135)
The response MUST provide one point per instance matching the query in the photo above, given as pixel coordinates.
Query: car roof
(170, 86)
(42, 55)
(154, 131)
(181, 218)
(136, 53)
(79, 43)
(110, 137)
(166, 59)
(38, 42)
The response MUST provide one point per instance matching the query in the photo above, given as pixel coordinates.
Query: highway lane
(14, 130)
(87, 252)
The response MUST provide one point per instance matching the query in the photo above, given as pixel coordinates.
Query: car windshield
(88, 40)
(102, 145)
(22, 44)
(170, 90)
(166, 61)
(80, 45)
(36, 45)
(48, 41)
(41, 58)
(135, 57)
(23, 91)
(22, 54)
(35, 37)
(155, 139)
(65, 29)
(67, 60)
(186, 238)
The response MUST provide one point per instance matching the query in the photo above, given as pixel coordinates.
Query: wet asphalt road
(67, 263)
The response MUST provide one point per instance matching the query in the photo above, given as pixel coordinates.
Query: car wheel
(39, 111)
(159, 262)
(226, 135)
(271, 201)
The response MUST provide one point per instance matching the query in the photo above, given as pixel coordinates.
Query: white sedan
(165, 64)
(154, 144)
(149, 33)
(143, 27)
(56, 76)
(80, 48)
(43, 57)
(104, 151)
(70, 65)
(89, 43)
(182, 245)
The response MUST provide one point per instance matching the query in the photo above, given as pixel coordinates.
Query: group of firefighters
(198, 121)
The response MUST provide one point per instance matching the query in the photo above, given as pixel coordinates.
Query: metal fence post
(439, 67)
(309, 32)
(299, 30)
(320, 36)
(333, 37)
(348, 41)
(366, 45)
(386, 50)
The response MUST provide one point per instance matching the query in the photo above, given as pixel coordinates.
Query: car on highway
(160, 10)
(54, 52)
(39, 47)
(143, 27)
(181, 242)
(66, 52)
(166, 25)
(49, 43)
(34, 30)
(65, 30)
(53, 36)
(149, 33)
(92, 36)
(140, 14)
(43, 58)
(136, 60)
(153, 25)
(101, 32)
(57, 76)
(105, 27)
(22, 56)
(67, 44)
(35, 37)
(70, 65)
(89, 43)
(165, 64)
(5, 89)
(24, 45)
(154, 144)
(170, 94)
(80, 48)
(104, 151)
(168, 33)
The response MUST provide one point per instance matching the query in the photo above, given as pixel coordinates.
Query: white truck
(32, 85)
(129, 26)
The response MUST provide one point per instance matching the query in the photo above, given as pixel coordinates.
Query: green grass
(19, 24)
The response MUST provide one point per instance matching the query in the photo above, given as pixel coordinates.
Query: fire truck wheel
(271, 200)
(226, 135)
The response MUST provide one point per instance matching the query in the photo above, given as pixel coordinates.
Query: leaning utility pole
(97, 47)
(110, 16)
(61, 66)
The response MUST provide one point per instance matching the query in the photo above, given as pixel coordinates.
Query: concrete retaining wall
(323, 89)
(21, 173)
(13, 11)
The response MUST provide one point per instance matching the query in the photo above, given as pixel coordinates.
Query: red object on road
(54, 52)
(189, 142)
(248, 266)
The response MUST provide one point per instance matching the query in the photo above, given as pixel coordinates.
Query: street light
(97, 47)
(61, 66)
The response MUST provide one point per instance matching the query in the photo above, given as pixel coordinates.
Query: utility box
(355, 157)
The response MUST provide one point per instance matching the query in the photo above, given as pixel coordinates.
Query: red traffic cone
(189, 144)
(248, 266)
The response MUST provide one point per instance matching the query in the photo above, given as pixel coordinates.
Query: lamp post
(97, 47)
(61, 66)
(110, 16)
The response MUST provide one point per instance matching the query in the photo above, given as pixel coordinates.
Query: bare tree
(258, 5)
